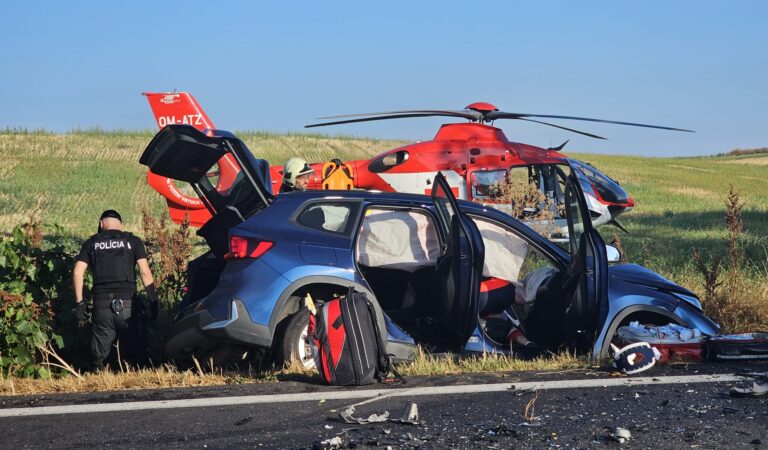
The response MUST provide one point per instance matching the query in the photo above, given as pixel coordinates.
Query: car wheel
(292, 341)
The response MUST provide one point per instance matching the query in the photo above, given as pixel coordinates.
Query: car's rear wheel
(291, 345)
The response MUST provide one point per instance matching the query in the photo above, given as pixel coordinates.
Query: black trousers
(107, 327)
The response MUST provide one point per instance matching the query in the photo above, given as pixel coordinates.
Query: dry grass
(168, 376)
(161, 377)
(697, 169)
(692, 192)
(428, 364)
(753, 161)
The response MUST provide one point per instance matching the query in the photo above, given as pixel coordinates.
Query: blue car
(444, 274)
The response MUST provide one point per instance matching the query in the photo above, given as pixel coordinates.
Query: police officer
(111, 254)
(296, 174)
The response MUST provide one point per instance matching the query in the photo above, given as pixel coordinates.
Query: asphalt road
(657, 415)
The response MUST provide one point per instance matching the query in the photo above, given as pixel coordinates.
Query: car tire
(291, 343)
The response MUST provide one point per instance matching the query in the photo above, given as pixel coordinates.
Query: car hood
(634, 273)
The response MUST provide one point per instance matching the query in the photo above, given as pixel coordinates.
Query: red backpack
(349, 348)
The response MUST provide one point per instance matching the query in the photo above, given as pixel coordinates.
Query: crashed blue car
(436, 269)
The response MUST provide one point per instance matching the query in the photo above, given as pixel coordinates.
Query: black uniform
(112, 257)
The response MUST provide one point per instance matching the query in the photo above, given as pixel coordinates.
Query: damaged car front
(640, 294)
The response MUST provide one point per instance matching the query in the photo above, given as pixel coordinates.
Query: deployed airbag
(395, 239)
(504, 251)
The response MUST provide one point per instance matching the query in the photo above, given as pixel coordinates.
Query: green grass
(68, 179)
(681, 206)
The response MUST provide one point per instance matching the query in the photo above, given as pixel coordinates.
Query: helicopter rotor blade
(565, 128)
(467, 114)
(398, 116)
(493, 115)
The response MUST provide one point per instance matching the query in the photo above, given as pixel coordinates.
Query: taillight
(241, 248)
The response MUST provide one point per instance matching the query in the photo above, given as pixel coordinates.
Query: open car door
(587, 275)
(183, 153)
(460, 267)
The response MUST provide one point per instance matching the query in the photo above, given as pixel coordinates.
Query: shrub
(739, 307)
(168, 248)
(29, 278)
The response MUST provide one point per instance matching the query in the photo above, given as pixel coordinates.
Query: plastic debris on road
(756, 391)
(410, 415)
(621, 435)
(348, 415)
(329, 444)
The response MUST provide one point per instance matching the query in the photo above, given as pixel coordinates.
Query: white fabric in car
(504, 251)
(397, 239)
(335, 217)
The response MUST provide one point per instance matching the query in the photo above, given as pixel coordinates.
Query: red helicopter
(474, 156)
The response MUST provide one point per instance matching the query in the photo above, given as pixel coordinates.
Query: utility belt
(116, 302)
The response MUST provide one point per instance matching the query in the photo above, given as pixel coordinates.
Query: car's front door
(587, 275)
(460, 267)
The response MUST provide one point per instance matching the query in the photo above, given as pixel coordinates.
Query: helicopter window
(487, 184)
(388, 161)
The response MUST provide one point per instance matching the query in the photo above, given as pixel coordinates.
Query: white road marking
(365, 393)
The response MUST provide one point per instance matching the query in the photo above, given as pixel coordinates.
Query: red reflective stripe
(326, 373)
(492, 284)
(336, 336)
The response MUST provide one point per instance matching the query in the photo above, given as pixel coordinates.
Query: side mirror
(613, 253)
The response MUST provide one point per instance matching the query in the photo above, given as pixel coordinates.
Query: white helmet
(293, 168)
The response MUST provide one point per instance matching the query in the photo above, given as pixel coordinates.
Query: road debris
(329, 444)
(348, 415)
(756, 391)
(409, 415)
(621, 435)
(243, 421)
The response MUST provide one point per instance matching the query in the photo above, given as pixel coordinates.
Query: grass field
(68, 179)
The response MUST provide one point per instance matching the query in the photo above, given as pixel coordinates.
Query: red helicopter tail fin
(177, 107)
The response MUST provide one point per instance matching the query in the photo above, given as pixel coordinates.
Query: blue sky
(277, 65)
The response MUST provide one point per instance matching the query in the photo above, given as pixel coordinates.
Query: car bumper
(200, 331)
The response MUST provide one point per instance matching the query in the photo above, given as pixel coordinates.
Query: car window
(508, 256)
(332, 217)
(505, 251)
(402, 239)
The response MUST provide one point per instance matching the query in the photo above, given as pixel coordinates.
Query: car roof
(355, 194)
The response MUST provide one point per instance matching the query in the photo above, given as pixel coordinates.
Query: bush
(168, 249)
(29, 278)
(740, 306)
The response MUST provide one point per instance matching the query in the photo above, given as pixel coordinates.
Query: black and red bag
(349, 349)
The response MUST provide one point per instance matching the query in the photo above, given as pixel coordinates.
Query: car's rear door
(183, 153)
(460, 266)
(588, 271)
